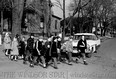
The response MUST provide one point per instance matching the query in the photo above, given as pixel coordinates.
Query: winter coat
(14, 47)
(39, 49)
(48, 48)
(82, 45)
(59, 44)
(30, 44)
(63, 47)
(7, 42)
(69, 46)
(54, 49)
(22, 47)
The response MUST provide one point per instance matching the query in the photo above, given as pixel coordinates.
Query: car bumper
(86, 51)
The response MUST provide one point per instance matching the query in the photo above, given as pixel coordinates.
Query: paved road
(110, 48)
(101, 66)
(107, 53)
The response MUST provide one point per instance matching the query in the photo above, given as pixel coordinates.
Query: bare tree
(100, 10)
(59, 4)
(78, 10)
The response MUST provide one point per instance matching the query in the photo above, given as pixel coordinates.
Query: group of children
(11, 47)
(38, 51)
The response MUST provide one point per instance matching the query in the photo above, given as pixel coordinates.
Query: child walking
(15, 51)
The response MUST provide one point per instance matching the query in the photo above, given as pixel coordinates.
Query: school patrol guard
(81, 46)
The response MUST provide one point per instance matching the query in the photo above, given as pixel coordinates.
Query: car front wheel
(89, 55)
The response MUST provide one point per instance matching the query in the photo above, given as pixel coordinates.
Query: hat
(31, 34)
(49, 39)
(41, 37)
(6, 34)
(58, 37)
(71, 37)
(54, 38)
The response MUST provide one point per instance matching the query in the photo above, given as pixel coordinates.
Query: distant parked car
(93, 42)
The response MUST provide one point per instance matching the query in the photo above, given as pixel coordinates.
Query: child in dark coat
(54, 53)
(40, 51)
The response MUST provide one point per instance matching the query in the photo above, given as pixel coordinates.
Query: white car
(93, 42)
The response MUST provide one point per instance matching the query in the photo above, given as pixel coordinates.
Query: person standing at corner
(81, 46)
(69, 50)
(30, 49)
(7, 44)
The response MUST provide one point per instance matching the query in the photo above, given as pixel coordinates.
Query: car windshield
(87, 37)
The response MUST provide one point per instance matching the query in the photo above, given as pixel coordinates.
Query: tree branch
(58, 4)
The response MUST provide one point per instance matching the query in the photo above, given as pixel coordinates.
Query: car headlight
(94, 45)
(91, 46)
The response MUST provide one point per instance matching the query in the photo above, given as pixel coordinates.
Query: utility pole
(49, 17)
(1, 21)
(64, 24)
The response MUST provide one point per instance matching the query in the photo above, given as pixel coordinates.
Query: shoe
(85, 63)
(9, 57)
(36, 64)
(69, 63)
(31, 65)
(44, 65)
(76, 60)
(22, 56)
(15, 59)
(19, 57)
(47, 65)
(24, 62)
(58, 62)
(6, 54)
(55, 67)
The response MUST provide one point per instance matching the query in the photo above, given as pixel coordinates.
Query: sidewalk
(2, 55)
(94, 70)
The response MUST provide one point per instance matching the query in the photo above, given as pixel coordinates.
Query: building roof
(84, 34)
(56, 17)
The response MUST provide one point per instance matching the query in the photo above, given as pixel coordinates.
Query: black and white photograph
(57, 39)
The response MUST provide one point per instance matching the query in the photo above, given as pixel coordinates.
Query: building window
(56, 24)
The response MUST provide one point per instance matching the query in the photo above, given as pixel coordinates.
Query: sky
(57, 11)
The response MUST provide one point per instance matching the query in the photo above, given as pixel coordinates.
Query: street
(102, 65)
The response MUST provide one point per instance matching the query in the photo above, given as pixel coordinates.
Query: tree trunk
(104, 33)
(17, 16)
(1, 29)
